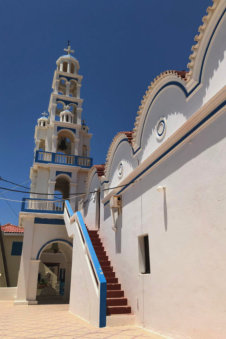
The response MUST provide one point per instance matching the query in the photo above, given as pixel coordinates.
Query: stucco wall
(13, 261)
(184, 295)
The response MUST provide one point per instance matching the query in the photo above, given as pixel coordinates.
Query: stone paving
(55, 321)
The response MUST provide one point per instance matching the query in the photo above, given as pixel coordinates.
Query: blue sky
(122, 45)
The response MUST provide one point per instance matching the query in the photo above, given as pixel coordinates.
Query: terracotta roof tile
(129, 135)
(9, 228)
(100, 169)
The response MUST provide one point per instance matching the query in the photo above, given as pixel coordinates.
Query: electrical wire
(55, 194)
(13, 183)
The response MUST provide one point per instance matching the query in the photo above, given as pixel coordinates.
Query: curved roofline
(120, 136)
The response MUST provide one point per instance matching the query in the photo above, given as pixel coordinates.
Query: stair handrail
(94, 262)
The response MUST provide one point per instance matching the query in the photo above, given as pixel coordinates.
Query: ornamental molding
(195, 120)
(152, 90)
(96, 169)
(198, 48)
(120, 136)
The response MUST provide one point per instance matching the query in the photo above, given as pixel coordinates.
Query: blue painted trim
(70, 210)
(49, 242)
(53, 159)
(49, 221)
(59, 128)
(67, 77)
(178, 84)
(210, 115)
(61, 172)
(66, 102)
(96, 265)
(104, 182)
(24, 209)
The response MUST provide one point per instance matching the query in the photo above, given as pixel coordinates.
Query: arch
(73, 110)
(65, 141)
(62, 185)
(118, 140)
(192, 79)
(62, 86)
(73, 88)
(52, 241)
(59, 108)
(42, 145)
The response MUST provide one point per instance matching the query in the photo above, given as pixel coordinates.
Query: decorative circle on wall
(161, 128)
(120, 170)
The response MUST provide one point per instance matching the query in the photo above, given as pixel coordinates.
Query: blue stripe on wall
(49, 221)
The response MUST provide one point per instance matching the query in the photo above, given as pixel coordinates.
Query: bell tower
(62, 139)
(59, 172)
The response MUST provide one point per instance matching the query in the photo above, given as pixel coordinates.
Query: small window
(16, 248)
(143, 252)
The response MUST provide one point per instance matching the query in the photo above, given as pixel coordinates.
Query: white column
(54, 143)
(53, 112)
(78, 90)
(33, 278)
(56, 87)
(51, 188)
(61, 67)
(69, 67)
(24, 272)
(67, 88)
(79, 115)
(73, 199)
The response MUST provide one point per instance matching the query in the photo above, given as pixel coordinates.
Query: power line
(13, 183)
(55, 194)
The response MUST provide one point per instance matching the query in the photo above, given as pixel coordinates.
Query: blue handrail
(96, 265)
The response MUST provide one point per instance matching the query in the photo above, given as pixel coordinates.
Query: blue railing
(42, 206)
(63, 159)
(96, 268)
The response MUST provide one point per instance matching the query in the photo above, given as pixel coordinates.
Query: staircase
(116, 302)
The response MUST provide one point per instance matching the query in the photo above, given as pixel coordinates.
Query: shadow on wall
(217, 55)
(207, 138)
(165, 210)
(118, 234)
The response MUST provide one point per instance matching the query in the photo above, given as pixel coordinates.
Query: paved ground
(54, 321)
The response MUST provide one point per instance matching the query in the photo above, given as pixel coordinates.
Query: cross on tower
(68, 49)
(44, 114)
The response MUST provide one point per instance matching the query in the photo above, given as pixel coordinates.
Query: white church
(145, 243)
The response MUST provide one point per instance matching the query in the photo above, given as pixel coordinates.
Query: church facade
(154, 212)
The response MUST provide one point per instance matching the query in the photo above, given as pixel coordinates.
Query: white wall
(185, 293)
(8, 293)
(84, 295)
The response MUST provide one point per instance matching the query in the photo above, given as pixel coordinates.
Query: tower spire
(68, 49)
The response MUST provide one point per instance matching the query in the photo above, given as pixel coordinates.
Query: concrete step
(104, 262)
(120, 320)
(118, 310)
(109, 274)
(116, 301)
(114, 287)
(115, 294)
(111, 280)
(107, 269)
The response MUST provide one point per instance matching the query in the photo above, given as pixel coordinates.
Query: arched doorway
(54, 276)
(62, 187)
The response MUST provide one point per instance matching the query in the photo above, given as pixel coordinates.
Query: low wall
(8, 293)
